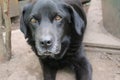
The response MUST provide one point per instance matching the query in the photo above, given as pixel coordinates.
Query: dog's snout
(46, 43)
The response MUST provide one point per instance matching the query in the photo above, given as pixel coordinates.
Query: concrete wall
(111, 16)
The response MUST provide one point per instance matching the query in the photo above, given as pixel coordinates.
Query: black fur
(72, 53)
(85, 1)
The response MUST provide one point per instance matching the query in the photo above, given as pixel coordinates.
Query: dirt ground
(24, 65)
(106, 66)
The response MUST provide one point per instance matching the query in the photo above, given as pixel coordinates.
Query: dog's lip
(44, 53)
(47, 53)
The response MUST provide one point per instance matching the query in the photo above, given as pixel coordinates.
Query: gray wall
(111, 16)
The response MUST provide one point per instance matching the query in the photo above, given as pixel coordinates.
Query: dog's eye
(58, 18)
(33, 20)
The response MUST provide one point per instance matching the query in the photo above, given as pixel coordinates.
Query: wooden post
(7, 41)
(3, 53)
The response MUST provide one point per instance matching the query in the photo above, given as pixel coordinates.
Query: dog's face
(50, 25)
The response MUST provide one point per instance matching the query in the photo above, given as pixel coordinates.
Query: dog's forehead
(42, 5)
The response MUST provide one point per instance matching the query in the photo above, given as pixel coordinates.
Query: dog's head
(51, 26)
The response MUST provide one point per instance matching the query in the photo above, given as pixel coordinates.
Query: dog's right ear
(32, 1)
(23, 26)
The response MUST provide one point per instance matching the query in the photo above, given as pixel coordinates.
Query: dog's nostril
(49, 42)
(46, 43)
(42, 43)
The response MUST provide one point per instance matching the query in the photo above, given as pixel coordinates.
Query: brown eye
(33, 20)
(58, 18)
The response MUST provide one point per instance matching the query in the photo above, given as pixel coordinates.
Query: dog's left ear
(78, 19)
(23, 26)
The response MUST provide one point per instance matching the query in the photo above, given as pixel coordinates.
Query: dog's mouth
(48, 53)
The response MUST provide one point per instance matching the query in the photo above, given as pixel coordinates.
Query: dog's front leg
(83, 69)
(48, 72)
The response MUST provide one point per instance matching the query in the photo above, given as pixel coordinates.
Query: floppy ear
(79, 23)
(78, 18)
(23, 26)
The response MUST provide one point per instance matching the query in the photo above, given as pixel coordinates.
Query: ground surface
(24, 65)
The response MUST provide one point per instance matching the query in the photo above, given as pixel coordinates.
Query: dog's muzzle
(48, 48)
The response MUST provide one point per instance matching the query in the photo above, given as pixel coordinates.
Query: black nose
(46, 43)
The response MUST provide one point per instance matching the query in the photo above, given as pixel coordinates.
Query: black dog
(55, 30)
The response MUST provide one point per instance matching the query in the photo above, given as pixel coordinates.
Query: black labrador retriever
(55, 30)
